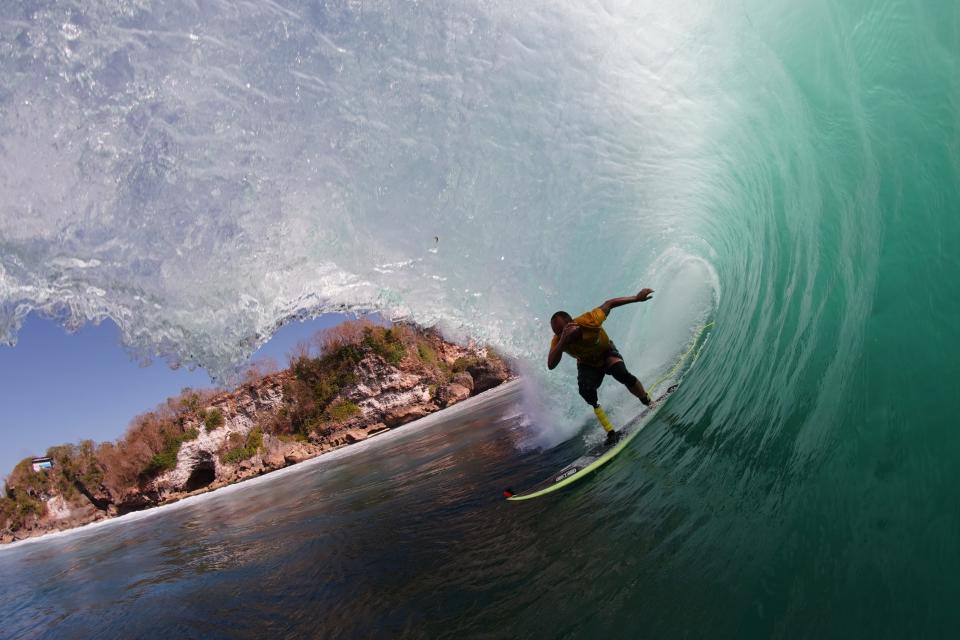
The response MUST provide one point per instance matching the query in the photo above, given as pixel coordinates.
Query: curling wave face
(202, 174)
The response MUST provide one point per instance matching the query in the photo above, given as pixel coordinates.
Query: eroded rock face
(388, 396)
(198, 461)
(384, 404)
(382, 388)
(354, 435)
(277, 453)
(58, 509)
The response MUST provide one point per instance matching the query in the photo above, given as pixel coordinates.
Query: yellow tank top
(593, 343)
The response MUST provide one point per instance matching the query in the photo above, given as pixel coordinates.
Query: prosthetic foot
(612, 434)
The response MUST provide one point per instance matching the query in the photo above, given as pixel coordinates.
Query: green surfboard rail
(590, 468)
(620, 446)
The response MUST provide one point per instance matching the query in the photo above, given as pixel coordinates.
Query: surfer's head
(559, 320)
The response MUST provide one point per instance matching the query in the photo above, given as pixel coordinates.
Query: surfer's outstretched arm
(643, 296)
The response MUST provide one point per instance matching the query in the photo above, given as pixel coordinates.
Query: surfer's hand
(644, 295)
(569, 332)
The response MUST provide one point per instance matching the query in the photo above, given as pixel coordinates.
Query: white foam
(199, 203)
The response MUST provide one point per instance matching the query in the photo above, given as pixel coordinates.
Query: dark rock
(273, 458)
(296, 452)
(488, 374)
(451, 394)
(404, 414)
(204, 472)
(375, 428)
(135, 500)
(464, 379)
(99, 497)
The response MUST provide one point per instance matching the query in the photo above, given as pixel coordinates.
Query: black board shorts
(592, 377)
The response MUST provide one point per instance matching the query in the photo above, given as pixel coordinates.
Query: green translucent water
(789, 169)
(817, 462)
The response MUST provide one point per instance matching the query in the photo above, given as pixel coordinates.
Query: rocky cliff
(375, 381)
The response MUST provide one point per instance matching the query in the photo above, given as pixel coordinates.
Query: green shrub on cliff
(464, 363)
(24, 480)
(342, 411)
(166, 458)
(76, 464)
(428, 356)
(7, 509)
(255, 439)
(213, 419)
(16, 511)
(24, 489)
(318, 381)
(385, 343)
(189, 401)
(436, 367)
(239, 448)
(311, 397)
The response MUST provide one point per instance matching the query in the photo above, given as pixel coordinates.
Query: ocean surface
(203, 172)
(406, 535)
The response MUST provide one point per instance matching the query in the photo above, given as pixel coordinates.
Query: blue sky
(57, 387)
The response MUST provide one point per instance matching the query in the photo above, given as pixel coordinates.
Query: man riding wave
(584, 339)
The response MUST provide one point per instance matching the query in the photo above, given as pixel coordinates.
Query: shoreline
(325, 456)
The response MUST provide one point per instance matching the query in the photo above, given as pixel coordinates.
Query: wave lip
(201, 178)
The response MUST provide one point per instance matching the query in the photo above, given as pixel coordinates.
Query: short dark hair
(560, 314)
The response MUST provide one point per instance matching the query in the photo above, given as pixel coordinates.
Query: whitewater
(203, 173)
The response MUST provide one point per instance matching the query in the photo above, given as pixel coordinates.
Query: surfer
(583, 338)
